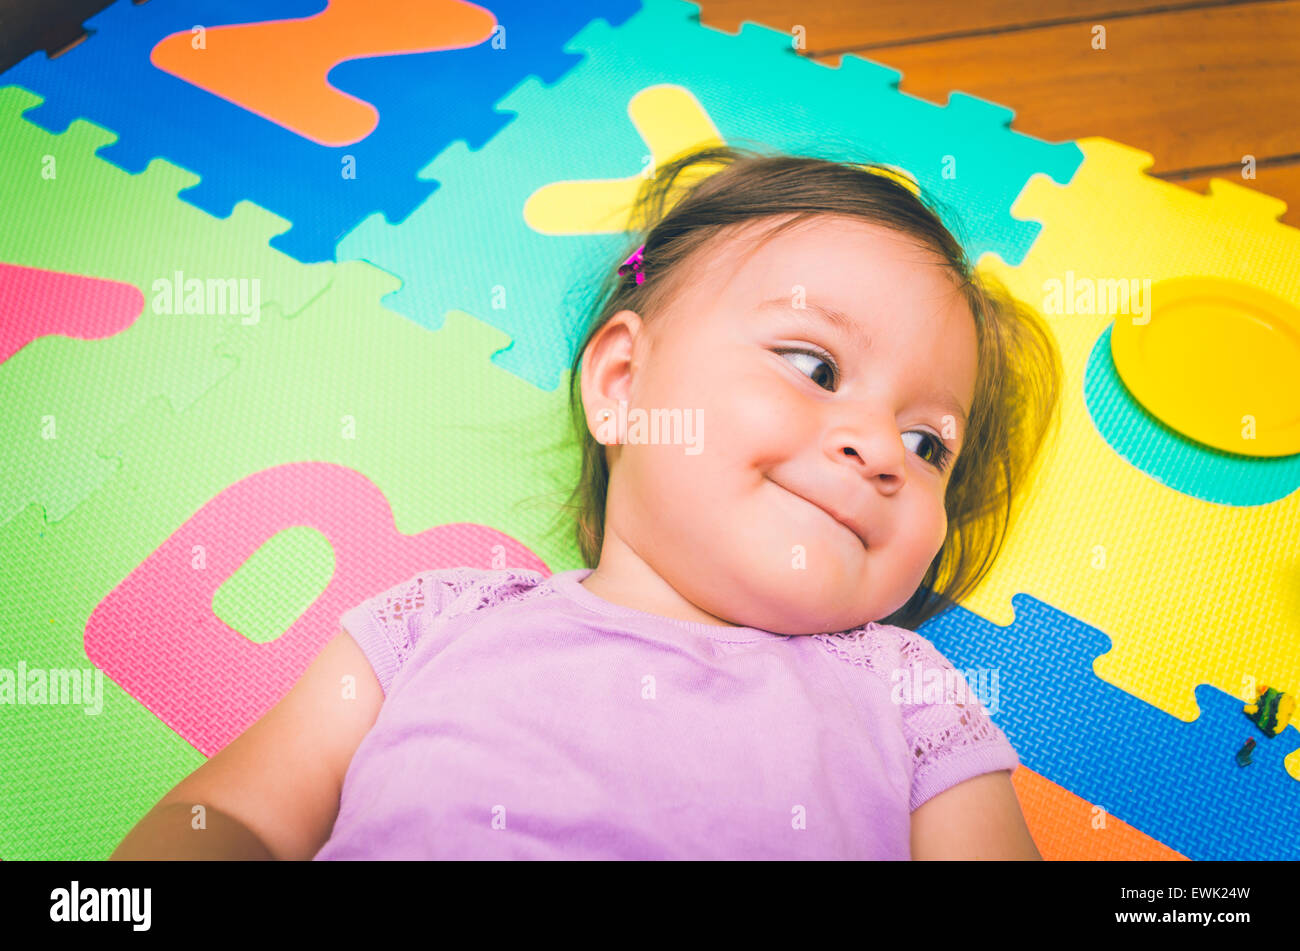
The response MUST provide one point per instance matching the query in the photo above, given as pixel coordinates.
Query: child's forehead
(814, 248)
(840, 261)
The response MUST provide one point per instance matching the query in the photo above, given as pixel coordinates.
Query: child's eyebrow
(942, 398)
(838, 319)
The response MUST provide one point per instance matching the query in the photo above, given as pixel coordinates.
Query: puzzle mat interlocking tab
(591, 135)
(425, 101)
(93, 219)
(1189, 591)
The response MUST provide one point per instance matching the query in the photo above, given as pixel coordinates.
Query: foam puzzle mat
(195, 492)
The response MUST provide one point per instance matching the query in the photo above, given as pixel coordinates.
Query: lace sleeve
(948, 729)
(389, 625)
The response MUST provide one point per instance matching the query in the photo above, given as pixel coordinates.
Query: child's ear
(608, 367)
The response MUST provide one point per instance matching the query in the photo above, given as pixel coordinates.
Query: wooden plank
(31, 26)
(835, 26)
(1196, 88)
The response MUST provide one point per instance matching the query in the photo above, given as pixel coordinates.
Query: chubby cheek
(742, 428)
(757, 421)
(929, 526)
(747, 412)
(939, 523)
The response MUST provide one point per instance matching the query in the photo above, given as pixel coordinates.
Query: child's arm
(976, 819)
(273, 791)
(166, 833)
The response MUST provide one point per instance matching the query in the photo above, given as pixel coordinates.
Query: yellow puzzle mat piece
(1189, 591)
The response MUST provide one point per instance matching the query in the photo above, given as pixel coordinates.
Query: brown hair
(704, 192)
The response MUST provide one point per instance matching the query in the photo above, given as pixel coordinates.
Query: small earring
(604, 415)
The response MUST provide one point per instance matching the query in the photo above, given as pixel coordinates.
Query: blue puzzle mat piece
(469, 239)
(425, 101)
(1177, 782)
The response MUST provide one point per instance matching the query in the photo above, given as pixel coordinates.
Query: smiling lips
(851, 524)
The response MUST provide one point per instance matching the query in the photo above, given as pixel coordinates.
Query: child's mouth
(841, 522)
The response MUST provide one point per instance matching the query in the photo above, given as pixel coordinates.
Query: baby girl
(735, 674)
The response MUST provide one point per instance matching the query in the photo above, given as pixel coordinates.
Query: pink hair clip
(633, 264)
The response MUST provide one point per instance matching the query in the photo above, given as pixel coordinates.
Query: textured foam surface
(94, 220)
(38, 303)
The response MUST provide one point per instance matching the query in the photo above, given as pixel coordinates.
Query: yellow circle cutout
(1217, 360)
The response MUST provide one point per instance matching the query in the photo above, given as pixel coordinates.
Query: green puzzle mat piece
(446, 435)
(92, 218)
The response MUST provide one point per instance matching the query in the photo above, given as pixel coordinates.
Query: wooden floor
(1198, 85)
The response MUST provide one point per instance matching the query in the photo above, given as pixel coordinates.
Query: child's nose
(868, 443)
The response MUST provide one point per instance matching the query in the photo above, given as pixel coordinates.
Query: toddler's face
(815, 502)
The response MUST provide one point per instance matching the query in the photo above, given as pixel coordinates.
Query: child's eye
(808, 366)
(940, 453)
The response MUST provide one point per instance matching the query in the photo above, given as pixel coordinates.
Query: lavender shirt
(526, 717)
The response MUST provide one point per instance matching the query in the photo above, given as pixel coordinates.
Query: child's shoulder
(882, 648)
(389, 625)
(447, 592)
(946, 725)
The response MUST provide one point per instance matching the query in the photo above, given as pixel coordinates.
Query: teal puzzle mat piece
(67, 210)
(468, 241)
